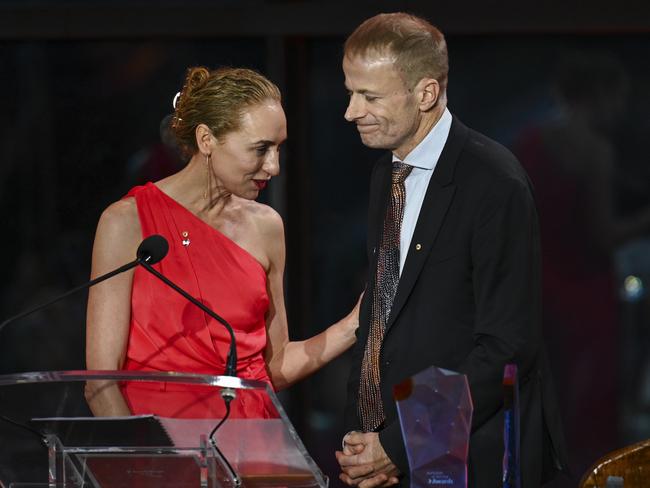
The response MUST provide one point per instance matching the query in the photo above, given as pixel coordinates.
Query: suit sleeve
(393, 443)
(506, 280)
(351, 418)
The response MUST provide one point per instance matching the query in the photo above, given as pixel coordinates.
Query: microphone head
(152, 249)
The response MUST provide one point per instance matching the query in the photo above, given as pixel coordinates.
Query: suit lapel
(436, 202)
(378, 202)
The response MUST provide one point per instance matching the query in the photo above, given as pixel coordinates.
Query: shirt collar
(425, 155)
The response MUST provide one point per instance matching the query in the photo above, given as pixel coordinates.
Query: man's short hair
(419, 49)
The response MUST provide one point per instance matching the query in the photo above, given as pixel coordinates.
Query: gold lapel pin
(418, 247)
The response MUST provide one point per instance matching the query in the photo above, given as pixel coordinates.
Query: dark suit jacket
(468, 300)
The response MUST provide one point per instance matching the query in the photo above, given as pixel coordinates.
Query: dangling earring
(208, 179)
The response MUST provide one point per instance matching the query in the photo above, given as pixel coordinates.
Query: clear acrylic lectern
(149, 451)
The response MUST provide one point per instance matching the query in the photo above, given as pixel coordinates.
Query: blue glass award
(435, 414)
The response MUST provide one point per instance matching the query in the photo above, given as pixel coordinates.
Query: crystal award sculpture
(435, 414)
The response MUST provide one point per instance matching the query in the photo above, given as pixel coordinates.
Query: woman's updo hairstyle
(217, 99)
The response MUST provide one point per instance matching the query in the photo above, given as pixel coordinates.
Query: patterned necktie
(371, 411)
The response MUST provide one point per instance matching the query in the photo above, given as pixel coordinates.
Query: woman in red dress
(225, 249)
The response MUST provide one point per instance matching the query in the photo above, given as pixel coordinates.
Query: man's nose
(355, 109)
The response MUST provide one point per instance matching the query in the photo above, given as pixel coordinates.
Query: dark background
(84, 87)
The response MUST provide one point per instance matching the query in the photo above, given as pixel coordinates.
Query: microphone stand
(231, 360)
(99, 279)
(228, 394)
(150, 251)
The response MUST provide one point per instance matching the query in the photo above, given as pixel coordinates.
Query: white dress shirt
(423, 158)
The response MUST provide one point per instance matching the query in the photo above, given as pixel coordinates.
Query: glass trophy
(435, 414)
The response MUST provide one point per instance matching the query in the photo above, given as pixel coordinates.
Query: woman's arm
(289, 361)
(109, 305)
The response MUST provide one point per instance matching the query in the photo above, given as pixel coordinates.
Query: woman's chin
(247, 194)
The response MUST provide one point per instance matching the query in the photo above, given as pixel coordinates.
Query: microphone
(231, 360)
(151, 250)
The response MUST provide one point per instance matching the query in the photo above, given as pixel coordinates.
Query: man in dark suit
(453, 245)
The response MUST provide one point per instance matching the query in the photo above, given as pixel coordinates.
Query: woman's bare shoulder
(119, 224)
(266, 220)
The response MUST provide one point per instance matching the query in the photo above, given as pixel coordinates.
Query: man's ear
(428, 91)
(204, 138)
